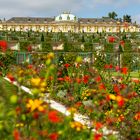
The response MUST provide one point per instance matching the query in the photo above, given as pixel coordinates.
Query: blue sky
(81, 8)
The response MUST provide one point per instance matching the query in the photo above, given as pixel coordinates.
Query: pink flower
(117, 68)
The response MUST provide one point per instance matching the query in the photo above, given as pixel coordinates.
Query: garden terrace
(105, 91)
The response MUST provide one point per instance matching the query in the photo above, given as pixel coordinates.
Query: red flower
(122, 43)
(53, 136)
(30, 66)
(102, 86)
(78, 104)
(3, 45)
(124, 70)
(36, 115)
(16, 134)
(29, 48)
(116, 88)
(11, 77)
(107, 98)
(85, 79)
(53, 117)
(108, 66)
(111, 39)
(78, 80)
(66, 65)
(60, 79)
(97, 136)
(98, 125)
(67, 79)
(98, 79)
(43, 133)
(120, 100)
(18, 110)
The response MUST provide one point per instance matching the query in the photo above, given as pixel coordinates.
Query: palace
(67, 22)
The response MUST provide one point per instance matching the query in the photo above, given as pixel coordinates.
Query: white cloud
(10, 8)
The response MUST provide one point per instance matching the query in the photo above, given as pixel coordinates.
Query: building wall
(67, 26)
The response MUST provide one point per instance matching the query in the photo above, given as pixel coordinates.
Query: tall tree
(112, 15)
(42, 37)
(127, 18)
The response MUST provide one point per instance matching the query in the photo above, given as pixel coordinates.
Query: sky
(80, 8)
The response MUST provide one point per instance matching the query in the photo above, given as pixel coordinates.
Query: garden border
(61, 108)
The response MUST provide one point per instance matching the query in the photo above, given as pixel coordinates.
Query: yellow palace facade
(67, 22)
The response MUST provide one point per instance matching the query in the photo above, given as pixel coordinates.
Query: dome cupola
(66, 16)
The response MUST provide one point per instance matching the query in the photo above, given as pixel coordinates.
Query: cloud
(84, 8)
(10, 8)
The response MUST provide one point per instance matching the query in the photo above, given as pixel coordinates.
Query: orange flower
(121, 118)
(137, 116)
(53, 117)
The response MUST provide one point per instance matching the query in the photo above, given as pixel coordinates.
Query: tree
(127, 18)
(112, 15)
(42, 38)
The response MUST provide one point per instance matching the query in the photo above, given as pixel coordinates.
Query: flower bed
(108, 102)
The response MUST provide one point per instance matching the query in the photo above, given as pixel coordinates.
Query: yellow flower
(111, 96)
(35, 104)
(108, 113)
(43, 84)
(72, 110)
(21, 72)
(35, 81)
(77, 125)
(50, 55)
(19, 125)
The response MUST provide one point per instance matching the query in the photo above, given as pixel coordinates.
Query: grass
(7, 88)
(135, 74)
